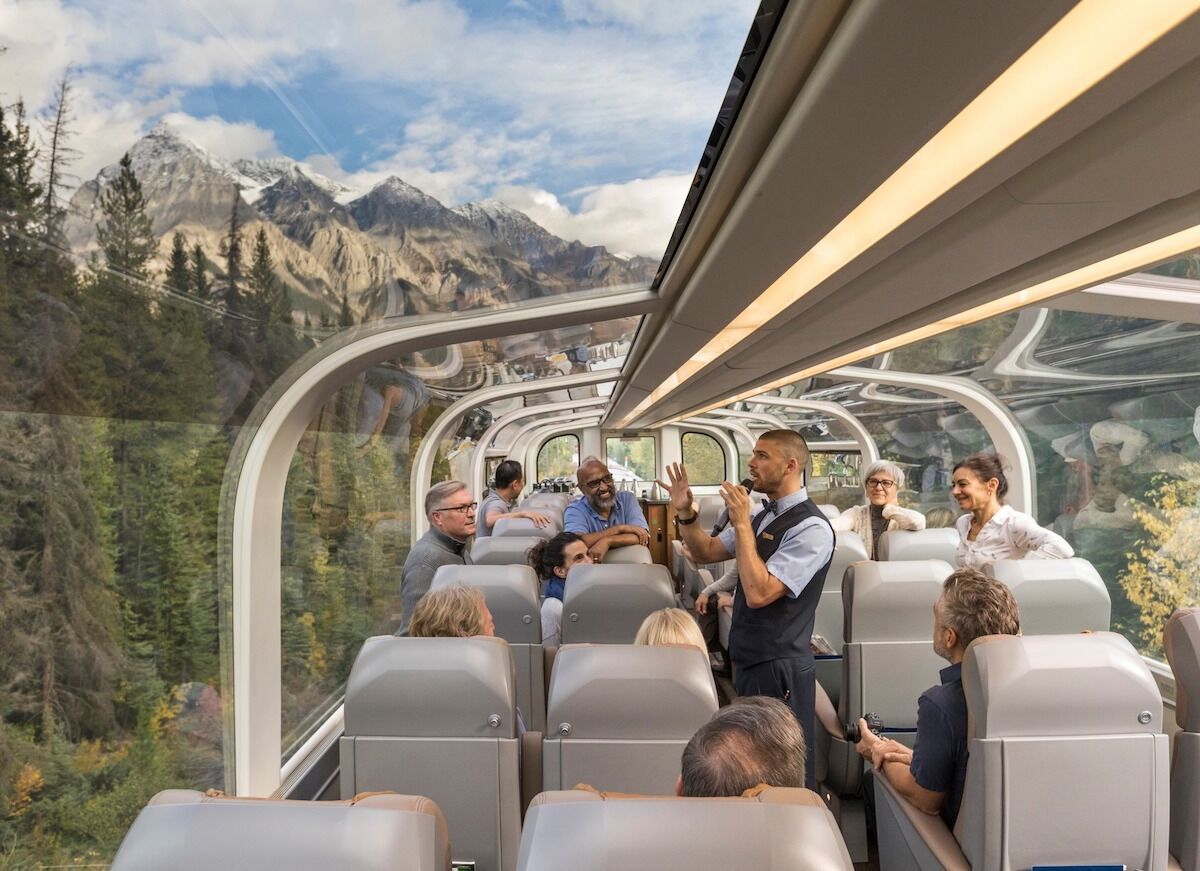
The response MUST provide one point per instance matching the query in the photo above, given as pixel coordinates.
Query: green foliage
(558, 457)
(125, 235)
(704, 458)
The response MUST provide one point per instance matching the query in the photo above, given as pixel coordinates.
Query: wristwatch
(690, 520)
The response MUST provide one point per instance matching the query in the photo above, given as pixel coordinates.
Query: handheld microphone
(746, 484)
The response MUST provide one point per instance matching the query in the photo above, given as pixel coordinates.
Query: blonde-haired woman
(882, 482)
(457, 611)
(671, 626)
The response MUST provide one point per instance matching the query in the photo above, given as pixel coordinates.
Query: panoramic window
(558, 458)
(631, 459)
(704, 458)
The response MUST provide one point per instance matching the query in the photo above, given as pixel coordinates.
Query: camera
(874, 723)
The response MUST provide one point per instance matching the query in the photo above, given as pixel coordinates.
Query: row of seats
(513, 549)
(776, 830)
(438, 717)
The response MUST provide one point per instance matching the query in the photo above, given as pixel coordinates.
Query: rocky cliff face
(393, 250)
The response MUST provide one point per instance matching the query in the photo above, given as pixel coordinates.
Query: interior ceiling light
(1166, 248)
(1086, 45)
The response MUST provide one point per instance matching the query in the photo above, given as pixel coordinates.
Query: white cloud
(226, 139)
(634, 217)
(657, 18)
(42, 39)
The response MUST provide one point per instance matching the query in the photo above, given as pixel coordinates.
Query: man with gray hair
(754, 741)
(882, 482)
(451, 513)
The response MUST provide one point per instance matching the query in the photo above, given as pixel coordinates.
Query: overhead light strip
(1086, 45)
(1166, 248)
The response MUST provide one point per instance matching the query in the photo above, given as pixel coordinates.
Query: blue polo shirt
(581, 518)
(939, 760)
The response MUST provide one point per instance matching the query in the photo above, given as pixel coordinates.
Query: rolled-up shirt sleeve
(633, 510)
(1037, 541)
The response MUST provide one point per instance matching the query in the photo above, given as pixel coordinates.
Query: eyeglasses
(592, 485)
(463, 509)
(880, 484)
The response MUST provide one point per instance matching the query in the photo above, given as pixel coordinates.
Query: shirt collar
(451, 544)
(783, 503)
(591, 509)
(951, 673)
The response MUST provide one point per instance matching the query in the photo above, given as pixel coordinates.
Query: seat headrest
(915, 544)
(607, 603)
(190, 830)
(1048, 685)
(847, 550)
(629, 691)
(523, 527)
(830, 511)
(503, 550)
(891, 601)
(1181, 640)
(779, 829)
(511, 593)
(432, 688)
(630, 555)
(1057, 596)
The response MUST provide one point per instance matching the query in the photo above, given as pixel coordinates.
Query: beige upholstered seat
(1067, 766)
(523, 527)
(191, 831)
(619, 716)
(830, 511)
(607, 603)
(918, 544)
(1181, 640)
(498, 550)
(777, 830)
(438, 717)
(830, 619)
(1056, 596)
(512, 594)
(631, 554)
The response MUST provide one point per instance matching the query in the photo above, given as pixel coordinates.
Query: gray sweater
(433, 550)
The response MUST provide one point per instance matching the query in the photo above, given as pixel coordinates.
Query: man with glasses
(451, 514)
(883, 482)
(603, 516)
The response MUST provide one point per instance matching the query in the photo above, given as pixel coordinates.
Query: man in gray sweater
(451, 516)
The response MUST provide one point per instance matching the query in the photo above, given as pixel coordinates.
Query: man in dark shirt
(931, 776)
(451, 514)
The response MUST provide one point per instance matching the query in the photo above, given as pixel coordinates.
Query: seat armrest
(917, 828)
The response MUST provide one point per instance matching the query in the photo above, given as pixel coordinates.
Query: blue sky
(587, 114)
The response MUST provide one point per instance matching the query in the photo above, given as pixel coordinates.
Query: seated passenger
(754, 741)
(457, 611)
(931, 776)
(714, 598)
(671, 626)
(552, 560)
(451, 514)
(991, 530)
(883, 482)
(939, 518)
(501, 500)
(603, 516)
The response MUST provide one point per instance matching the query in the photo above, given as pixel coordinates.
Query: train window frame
(537, 462)
(721, 450)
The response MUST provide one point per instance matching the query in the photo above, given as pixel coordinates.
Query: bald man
(783, 552)
(604, 516)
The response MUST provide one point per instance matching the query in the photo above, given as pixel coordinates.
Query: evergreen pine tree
(200, 283)
(59, 157)
(345, 315)
(125, 236)
(179, 270)
(232, 249)
(269, 295)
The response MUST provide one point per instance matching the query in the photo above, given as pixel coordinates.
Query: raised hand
(679, 490)
(737, 501)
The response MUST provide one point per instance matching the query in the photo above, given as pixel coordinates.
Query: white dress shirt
(1008, 535)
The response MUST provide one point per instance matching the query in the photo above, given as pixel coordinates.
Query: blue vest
(783, 629)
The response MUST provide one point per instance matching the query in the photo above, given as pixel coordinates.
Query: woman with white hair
(882, 481)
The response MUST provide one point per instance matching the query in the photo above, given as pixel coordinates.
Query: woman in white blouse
(883, 482)
(991, 530)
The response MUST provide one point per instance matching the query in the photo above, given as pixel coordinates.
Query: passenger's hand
(702, 604)
(541, 521)
(725, 600)
(643, 535)
(598, 550)
(866, 741)
(903, 755)
(679, 490)
(737, 501)
(886, 750)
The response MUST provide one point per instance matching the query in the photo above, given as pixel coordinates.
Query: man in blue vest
(783, 552)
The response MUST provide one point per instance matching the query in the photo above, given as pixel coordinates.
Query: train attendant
(991, 530)
(783, 552)
(883, 482)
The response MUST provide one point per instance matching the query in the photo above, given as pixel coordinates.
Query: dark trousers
(710, 627)
(794, 682)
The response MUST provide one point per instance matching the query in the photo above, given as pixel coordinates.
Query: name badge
(768, 536)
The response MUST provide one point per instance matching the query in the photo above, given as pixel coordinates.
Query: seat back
(919, 544)
(830, 511)
(503, 550)
(438, 717)
(630, 555)
(848, 550)
(1073, 716)
(776, 830)
(1056, 596)
(191, 831)
(606, 604)
(513, 597)
(708, 510)
(1181, 640)
(619, 716)
(523, 527)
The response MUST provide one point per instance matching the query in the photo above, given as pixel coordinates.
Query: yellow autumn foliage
(29, 783)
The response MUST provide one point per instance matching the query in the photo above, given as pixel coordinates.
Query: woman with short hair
(882, 481)
(671, 626)
(552, 559)
(457, 611)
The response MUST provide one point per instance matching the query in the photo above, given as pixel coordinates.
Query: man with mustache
(603, 516)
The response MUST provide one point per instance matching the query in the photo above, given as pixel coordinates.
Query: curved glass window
(631, 459)
(558, 458)
(704, 458)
